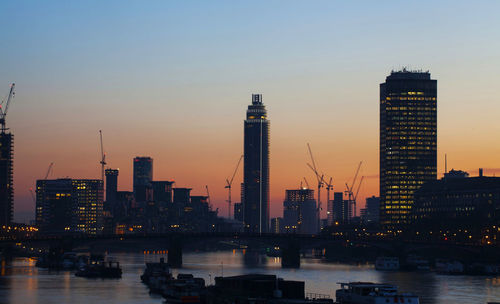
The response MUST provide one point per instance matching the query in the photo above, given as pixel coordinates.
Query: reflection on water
(21, 282)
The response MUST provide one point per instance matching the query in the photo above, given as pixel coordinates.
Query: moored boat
(98, 267)
(372, 293)
(184, 289)
(156, 275)
(387, 263)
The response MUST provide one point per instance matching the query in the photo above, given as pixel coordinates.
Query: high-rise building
(143, 175)
(256, 167)
(370, 214)
(111, 189)
(299, 212)
(6, 177)
(54, 205)
(329, 213)
(340, 209)
(408, 141)
(69, 205)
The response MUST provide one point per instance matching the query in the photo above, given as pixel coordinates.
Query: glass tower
(143, 176)
(256, 167)
(408, 141)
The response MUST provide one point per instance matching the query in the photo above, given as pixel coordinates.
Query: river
(22, 283)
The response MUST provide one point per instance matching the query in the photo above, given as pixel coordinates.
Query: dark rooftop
(405, 74)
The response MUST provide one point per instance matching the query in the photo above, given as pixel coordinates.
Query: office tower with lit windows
(54, 205)
(111, 189)
(340, 209)
(299, 212)
(256, 167)
(408, 141)
(143, 176)
(6, 177)
(69, 205)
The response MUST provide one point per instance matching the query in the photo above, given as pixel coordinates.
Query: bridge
(290, 245)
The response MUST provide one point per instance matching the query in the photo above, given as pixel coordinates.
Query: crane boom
(320, 184)
(359, 187)
(307, 184)
(48, 170)
(236, 169)
(32, 195)
(356, 175)
(4, 109)
(312, 159)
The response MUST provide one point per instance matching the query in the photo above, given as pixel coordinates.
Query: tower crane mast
(103, 157)
(320, 183)
(350, 190)
(229, 184)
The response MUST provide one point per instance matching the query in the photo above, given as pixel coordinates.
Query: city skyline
(320, 92)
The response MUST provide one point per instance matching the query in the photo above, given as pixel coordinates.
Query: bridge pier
(175, 252)
(290, 254)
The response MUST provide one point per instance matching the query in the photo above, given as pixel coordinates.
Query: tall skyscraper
(408, 141)
(111, 189)
(6, 164)
(256, 167)
(6, 177)
(143, 176)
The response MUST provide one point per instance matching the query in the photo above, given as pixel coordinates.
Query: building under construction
(6, 176)
(6, 164)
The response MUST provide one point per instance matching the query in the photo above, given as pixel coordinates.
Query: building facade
(6, 178)
(70, 205)
(111, 189)
(340, 209)
(277, 225)
(457, 204)
(256, 167)
(143, 175)
(371, 213)
(238, 212)
(162, 191)
(408, 141)
(299, 212)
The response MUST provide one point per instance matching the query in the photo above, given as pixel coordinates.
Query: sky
(172, 80)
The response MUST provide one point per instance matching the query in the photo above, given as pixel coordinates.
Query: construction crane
(208, 197)
(228, 186)
(49, 170)
(32, 195)
(329, 186)
(357, 192)
(350, 190)
(4, 107)
(307, 184)
(320, 182)
(103, 157)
